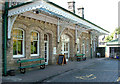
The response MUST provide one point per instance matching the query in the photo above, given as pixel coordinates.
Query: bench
(23, 68)
(80, 57)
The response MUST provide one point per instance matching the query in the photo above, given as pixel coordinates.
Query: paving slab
(40, 75)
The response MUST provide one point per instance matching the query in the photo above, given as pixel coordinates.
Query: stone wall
(29, 24)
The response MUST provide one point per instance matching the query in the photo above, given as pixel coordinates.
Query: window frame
(32, 55)
(23, 54)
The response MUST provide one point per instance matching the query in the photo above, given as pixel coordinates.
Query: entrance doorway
(65, 49)
(65, 46)
(114, 52)
(46, 47)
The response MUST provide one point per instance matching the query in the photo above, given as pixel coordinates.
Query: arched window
(46, 47)
(65, 38)
(18, 43)
(34, 43)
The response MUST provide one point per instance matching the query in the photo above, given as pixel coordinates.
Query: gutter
(5, 25)
(23, 4)
(16, 6)
(76, 15)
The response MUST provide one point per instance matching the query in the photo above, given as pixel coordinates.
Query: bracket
(11, 21)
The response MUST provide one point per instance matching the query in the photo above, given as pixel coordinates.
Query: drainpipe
(5, 23)
(91, 43)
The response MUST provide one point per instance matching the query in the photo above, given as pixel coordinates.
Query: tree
(118, 30)
(109, 38)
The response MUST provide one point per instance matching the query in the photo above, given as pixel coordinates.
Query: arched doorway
(46, 47)
(65, 46)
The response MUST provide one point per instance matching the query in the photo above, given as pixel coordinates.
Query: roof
(77, 15)
(116, 40)
(113, 42)
(57, 6)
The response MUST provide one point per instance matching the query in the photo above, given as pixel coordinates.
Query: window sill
(18, 56)
(34, 55)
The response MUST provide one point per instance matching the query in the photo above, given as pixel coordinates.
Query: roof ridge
(77, 16)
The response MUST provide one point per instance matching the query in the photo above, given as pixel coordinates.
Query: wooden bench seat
(80, 57)
(30, 64)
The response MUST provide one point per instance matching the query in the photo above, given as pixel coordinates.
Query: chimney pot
(81, 12)
(71, 6)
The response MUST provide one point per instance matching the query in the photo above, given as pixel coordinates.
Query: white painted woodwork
(11, 21)
(52, 8)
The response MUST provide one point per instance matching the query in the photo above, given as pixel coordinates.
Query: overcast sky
(103, 13)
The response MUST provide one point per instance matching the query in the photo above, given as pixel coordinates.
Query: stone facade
(28, 24)
(45, 24)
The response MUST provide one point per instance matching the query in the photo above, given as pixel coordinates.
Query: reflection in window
(18, 42)
(34, 43)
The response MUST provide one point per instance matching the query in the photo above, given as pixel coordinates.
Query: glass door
(65, 50)
(46, 47)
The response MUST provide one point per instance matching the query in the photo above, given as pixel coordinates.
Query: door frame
(63, 51)
(47, 48)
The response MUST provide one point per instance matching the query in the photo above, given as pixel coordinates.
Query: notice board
(61, 59)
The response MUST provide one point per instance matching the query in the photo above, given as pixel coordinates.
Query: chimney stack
(71, 6)
(81, 12)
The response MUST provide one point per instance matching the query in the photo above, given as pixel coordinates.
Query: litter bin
(11, 72)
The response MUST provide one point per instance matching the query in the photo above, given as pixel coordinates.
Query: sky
(103, 13)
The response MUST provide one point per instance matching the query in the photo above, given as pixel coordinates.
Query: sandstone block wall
(29, 24)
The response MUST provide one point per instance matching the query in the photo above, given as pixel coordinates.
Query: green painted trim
(91, 52)
(116, 40)
(60, 8)
(30, 60)
(80, 54)
(113, 44)
(33, 65)
(5, 25)
(10, 8)
(22, 4)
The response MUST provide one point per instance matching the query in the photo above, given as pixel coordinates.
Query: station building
(112, 49)
(44, 29)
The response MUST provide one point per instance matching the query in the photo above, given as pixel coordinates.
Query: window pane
(45, 37)
(34, 43)
(31, 47)
(14, 33)
(35, 36)
(20, 34)
(17, 42)
(14, 48)
(66, 46)
(35, 47)
(20, 47)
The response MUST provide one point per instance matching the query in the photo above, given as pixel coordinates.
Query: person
(98, 55)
